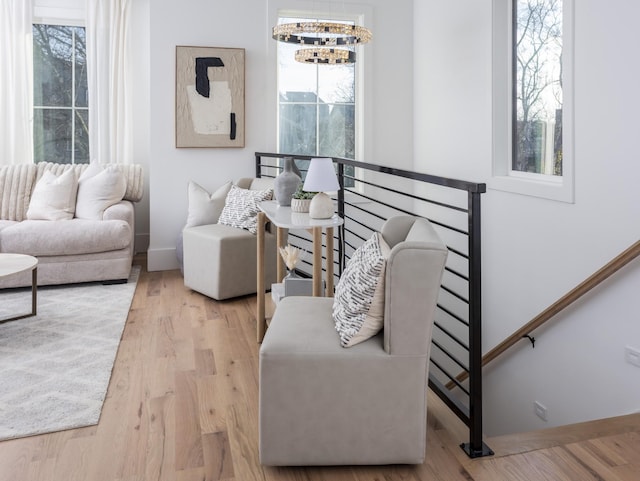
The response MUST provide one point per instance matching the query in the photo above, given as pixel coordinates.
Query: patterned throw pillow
(241, 207)
(358, 306)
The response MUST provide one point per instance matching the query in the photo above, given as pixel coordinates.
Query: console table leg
(317, 261)
(260, 319)
(281, 236)
(329, 262)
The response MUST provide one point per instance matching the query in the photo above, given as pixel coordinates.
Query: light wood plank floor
(182, 405)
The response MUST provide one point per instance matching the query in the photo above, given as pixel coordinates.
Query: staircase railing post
(341, 252)
(475, 447)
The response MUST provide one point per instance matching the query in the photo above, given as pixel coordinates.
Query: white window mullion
(73, 97)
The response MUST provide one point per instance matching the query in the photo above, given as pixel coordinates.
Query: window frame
(504, 178)
(72, 23)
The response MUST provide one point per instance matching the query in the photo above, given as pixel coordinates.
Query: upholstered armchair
(324, 404)
(220, 260)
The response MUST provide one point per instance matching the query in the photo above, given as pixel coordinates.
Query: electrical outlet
(540, 410)
(632, 356)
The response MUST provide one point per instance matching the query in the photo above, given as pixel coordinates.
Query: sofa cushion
(241, 207)
(99, 189)
(6, 223)
(54, 197)
(75, 236)
(358, 307)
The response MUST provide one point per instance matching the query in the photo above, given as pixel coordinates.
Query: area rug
(55, 367)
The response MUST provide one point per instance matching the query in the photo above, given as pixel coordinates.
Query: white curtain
(108, 75)
(16, 82)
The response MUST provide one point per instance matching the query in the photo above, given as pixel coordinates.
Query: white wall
(536, 250)
(248, 25)
(200, 23)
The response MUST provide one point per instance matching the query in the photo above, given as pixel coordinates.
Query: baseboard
(162, 259)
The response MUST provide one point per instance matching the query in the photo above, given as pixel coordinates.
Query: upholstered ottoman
(220, 260)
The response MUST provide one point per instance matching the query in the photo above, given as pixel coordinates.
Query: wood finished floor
(182, 405)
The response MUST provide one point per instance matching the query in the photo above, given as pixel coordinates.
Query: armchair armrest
(412, 283)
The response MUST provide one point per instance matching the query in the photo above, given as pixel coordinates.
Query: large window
(316, 105)
(61, 114)
(537, 87)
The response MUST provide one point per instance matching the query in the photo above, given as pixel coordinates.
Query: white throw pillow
(358, 306)
(241, 207)
(99, 189)
(54, 197)
(205, 208)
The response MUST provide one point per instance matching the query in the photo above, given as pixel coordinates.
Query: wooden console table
(284, 219)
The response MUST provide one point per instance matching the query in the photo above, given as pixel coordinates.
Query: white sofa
(68, 251)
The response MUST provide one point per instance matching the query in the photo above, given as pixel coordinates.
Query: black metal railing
(369, 195)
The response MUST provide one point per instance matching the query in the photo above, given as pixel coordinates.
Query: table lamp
(321, 177)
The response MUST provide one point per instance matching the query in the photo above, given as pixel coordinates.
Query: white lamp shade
(321, 177)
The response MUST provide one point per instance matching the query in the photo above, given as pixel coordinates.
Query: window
(533, 98)
(61, 114)
(537, 87)
(316, 105)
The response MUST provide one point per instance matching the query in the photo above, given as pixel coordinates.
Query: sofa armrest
(123, 210)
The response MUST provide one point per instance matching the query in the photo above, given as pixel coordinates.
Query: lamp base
(321, 206)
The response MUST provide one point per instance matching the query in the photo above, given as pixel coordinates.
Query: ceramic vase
(301, 206)
(294, 167)
(286, 183)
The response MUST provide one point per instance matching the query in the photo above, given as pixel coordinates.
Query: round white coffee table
(11, 264)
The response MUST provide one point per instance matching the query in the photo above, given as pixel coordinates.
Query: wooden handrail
(615, 265)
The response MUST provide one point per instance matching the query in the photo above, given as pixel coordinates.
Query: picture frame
(210, 108)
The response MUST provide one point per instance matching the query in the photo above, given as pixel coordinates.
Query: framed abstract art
(209, 97)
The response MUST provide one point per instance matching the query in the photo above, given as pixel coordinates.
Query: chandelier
(324, 36)
(325, 55)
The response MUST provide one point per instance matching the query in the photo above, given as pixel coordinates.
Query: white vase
(300, 205)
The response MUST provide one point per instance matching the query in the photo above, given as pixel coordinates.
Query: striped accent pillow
(241, 207)
(358, 306)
